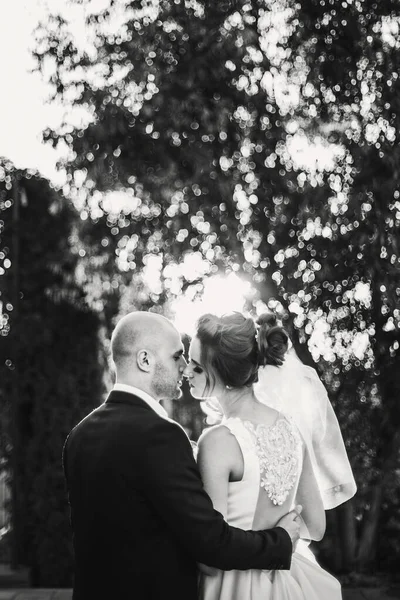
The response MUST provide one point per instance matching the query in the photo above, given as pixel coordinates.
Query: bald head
(147, 351)
(135, 331)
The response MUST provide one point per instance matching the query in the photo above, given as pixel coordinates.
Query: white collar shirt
(130, 389)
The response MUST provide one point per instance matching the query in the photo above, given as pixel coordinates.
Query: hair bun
(267, 319)
(228, 349)
(272, 339)
(210, 325)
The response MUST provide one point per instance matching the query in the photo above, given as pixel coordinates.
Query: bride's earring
(228, 387)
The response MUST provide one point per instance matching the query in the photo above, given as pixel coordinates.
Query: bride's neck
(237, 402)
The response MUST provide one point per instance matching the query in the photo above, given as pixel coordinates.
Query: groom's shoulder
(163, 431)
(135, 423)
(164, 425)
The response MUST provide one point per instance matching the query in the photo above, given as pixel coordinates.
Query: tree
(172, 124)
(351, 89)
(51, 367)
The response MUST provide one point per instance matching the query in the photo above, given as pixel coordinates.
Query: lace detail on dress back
(279, 451)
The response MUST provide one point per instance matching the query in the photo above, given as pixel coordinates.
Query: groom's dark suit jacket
(140, 516)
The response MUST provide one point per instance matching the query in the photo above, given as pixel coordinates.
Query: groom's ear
(143, 360)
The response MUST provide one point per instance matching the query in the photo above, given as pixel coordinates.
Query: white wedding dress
(274, 465)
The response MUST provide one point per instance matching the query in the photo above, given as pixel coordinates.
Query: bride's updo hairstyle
(228, 349)
(233, 347)
(273, 341)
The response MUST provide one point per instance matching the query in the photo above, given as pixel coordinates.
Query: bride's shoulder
(219, 450)
(216, 437)
(213, 434)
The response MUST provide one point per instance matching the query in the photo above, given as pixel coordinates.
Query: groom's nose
(183, 364)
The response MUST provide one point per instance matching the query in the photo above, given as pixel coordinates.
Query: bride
(278, 445)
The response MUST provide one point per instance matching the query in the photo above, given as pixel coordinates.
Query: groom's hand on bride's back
(291, 523)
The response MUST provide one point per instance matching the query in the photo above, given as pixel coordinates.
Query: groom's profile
(141, 519)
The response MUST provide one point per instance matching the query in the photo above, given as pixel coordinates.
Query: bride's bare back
(260, 459)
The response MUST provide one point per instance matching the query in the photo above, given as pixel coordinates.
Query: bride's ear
(143, 360)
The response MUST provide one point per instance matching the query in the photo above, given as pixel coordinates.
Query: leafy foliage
(51, 373)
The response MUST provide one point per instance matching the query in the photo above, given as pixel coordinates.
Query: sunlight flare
(222, 294)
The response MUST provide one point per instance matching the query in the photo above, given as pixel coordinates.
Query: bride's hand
(206, 570)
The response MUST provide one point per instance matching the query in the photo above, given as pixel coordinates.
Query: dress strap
(243, 436)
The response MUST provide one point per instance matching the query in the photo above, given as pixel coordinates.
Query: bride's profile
(270, 451)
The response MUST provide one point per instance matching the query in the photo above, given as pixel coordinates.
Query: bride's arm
(217, 453)
(217, 448)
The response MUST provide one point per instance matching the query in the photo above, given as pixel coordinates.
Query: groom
(140, 516)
